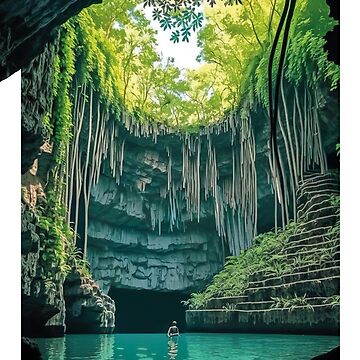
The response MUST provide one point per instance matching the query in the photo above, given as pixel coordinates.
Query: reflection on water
(186, 347)
(173, 347)
(56, 349)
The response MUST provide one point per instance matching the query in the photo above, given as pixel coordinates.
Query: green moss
(58, 252)
(64, 66)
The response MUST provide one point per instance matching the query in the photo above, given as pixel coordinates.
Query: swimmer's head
(174, 322)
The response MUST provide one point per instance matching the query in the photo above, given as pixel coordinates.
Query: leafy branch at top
(181, 15)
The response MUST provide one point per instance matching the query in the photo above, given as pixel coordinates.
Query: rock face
(50, 309)
(43, 306)
(125, 252)
(334, 354)
(29, 350)
(36, 102)
(26, 26)
(138, 260)
(88, 309)
(38, 302)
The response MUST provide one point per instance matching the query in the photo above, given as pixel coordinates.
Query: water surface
(190, 346)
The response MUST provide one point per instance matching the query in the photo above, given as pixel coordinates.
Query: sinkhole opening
(147, 311)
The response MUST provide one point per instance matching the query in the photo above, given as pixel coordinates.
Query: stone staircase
(304, 299)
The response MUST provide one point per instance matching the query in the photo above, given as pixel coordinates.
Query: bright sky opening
(184, 53)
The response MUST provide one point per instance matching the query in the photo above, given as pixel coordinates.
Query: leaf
(157, 14)
(151, 3)
(166, 23)
(197, 22)
(185, 33)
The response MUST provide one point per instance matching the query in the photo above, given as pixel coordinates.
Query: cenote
(156, 190)
(190, 347)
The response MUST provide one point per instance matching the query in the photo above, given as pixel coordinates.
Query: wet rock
(88, 309)
(26, 26)
(334, 354)
(29, 350)
(39, 302)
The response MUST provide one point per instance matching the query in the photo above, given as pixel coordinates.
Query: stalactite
(234, 195)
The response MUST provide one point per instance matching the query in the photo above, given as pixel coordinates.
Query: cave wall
(43, 309)
(27, 26)
(126, 247)
(126, 251)
(49, 304)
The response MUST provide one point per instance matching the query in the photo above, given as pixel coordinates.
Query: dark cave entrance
(146, 311)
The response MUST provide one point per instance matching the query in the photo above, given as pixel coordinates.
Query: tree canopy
(114, 48)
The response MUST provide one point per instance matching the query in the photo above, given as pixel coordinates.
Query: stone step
(298, 276)
(316, 199)
(262, 305)
(312, 287)
(320, 212)
(318, 184)
(228, 303)
(311, 178)
(313, 253)
(319, 265)
(317, 239)
(317, 203)
(328, 220)
(262, 275)
(306, 244)
(307, 195)
(320, 231)
(254, 305)
(319, 319)
(218, 302)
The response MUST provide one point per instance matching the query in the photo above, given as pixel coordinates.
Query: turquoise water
(189, 347)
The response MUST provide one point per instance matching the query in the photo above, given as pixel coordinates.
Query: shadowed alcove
(144, 311)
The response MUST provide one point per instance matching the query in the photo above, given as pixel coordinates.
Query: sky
(183, 53)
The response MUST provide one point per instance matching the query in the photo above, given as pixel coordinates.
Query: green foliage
(46, 121)
(54, 234)
(304, 259)
(335, 201)
(113, 48)
(337, 148)
(332, 300)
(291, 303)
(196, 301)
(180, 15)
(233, 279)
(58, 253)
(335, 230)
(75, 260)
(277, 268)
(267, 256)
(306, 58)
(229, 307)
(64, 69)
